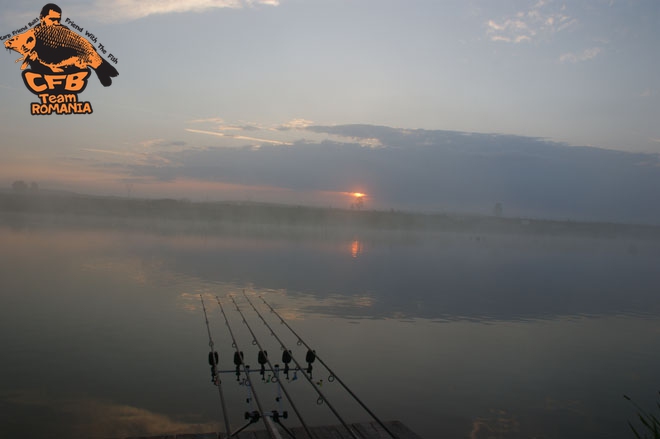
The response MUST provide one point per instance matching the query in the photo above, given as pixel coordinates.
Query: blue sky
(204, 75)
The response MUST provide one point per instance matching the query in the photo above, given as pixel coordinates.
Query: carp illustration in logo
(59, 60)
(58, 48)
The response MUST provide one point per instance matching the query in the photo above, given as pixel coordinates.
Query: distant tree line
(21, 187)
(290, 216)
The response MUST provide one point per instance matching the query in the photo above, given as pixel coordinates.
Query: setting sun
(358, 199)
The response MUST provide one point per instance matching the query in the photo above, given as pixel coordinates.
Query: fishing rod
(213, 360)
(310, 358)
(332, 374)
(263, 358)
(238, 358)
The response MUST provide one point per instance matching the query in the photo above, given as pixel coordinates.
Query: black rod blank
(326, 366)
(322, 397)
(269, 427)
(213, 359)
(266, 360)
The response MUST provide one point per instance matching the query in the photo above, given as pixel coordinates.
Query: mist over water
(455, 334)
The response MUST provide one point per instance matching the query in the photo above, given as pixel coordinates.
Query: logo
(57, 62)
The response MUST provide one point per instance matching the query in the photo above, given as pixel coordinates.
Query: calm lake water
(456, 335)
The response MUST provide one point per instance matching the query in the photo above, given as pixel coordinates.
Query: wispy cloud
(100, 416)
(237, 137)
(585, 55)
(258, 133)
(128, 10)
(151, 144)
(131, 157)
(524, 26)
(295, 124)
(112, 152)
(216, 120)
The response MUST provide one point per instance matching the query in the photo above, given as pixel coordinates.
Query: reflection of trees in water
(409, 263)
(15, 221)
(409, 274)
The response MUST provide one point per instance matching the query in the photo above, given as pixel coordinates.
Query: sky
(309, 101)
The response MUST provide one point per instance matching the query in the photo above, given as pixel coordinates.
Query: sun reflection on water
(356, 248)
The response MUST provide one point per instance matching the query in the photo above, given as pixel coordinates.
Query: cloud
(295, 124)
(238, 137)
(88, 417)
(148, 155)
(128, 10)
(499, 423)
(221, 125)
(114, 153)
(161, 143)
(524, 26)
(431, 170)
(255, 133)
(398, 168)
(216, 120)
(585, 55)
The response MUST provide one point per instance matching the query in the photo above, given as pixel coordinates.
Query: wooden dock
(366, 430)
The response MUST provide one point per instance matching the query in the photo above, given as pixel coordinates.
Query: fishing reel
(238, 360)
(213, 362)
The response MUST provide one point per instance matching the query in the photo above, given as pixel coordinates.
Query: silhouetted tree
(19, 186)
(358, 204)
(34, 188)
(497, 210)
